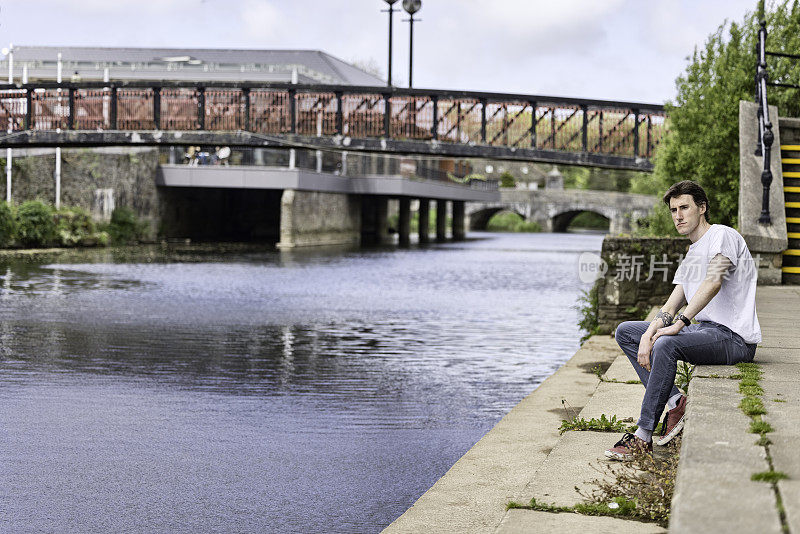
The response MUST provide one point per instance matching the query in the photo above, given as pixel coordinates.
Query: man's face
(686, 214)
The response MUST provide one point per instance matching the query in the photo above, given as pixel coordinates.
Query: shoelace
(626, 438)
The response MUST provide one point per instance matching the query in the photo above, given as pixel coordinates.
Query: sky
(627, 50)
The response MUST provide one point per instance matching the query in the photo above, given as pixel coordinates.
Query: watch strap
(683, 318)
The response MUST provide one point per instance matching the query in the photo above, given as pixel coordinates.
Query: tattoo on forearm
(665, 317)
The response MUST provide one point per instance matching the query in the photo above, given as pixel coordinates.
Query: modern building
(184, 64)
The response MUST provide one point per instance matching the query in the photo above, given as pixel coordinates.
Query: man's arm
(709, 287)
(674, 303)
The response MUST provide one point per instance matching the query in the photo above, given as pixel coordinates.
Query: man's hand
(670, 330)
(645, 347)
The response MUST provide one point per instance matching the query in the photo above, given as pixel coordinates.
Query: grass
(769, 476)
(760, 427)
(616, 507)
(604, 424)
(752, 406)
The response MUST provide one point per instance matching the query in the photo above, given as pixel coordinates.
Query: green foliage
(589, 219)
(604, 424)
(8, 224)
(703, 137)
(74, 226)
(506, 221)
(125, 227)
(752, 406)
(769, 476)
(760, 427)
(683, 376)
(35, 224)
(507, 180)
(588, 307)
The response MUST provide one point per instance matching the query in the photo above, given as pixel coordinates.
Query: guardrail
(513, 121)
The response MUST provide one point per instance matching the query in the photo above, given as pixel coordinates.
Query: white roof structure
(186, 64)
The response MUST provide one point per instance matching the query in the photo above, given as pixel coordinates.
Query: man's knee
(664, 346)
(622, 333)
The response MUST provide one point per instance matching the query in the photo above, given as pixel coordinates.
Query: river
(237, 389)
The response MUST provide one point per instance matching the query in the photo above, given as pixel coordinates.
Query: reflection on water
(237, 389)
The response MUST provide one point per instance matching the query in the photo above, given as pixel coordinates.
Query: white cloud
(263, 22)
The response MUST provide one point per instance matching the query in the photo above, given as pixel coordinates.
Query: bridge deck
(251, 177)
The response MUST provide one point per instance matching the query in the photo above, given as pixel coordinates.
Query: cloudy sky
(607, 49)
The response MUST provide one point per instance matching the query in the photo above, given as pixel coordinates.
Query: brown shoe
(624, 448)
(675, 419)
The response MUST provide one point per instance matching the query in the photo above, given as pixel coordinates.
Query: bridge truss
(373, 119)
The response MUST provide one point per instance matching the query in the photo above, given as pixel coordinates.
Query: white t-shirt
(735, 304)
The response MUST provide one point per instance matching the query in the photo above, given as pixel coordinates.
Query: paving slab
(777, 355)
(719, 371)
(576, 460)
(472, 495)
(779, 342)
(621, 369)
(529, 521)
(621, 400)
(713, 491)
(790, 494)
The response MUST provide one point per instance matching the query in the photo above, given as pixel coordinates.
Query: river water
(233, 389)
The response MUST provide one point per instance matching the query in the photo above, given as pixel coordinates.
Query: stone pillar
(424, 217)
(766, 242)
(441, 220)
(458, 220)
(312, 218)
(375, 220)
(404, 222)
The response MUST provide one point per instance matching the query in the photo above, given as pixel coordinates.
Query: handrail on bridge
(513, 122)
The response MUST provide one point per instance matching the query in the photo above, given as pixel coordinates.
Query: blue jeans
(706, 343)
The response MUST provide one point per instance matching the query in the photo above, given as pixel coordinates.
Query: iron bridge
(354, 118)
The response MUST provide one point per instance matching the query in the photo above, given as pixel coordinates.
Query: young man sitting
(717, 279)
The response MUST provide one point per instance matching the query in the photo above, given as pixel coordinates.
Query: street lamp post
(411, 7)
(391, 12)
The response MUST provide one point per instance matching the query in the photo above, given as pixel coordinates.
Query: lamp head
(390, 2)
(412, 6)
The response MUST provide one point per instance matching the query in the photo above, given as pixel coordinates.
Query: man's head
(688, 203)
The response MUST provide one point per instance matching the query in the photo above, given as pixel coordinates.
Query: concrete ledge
(528, 521)
(713, 491)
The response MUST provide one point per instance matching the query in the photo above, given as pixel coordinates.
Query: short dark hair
(688, 187)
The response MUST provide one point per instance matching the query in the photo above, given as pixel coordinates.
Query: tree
(702, 143)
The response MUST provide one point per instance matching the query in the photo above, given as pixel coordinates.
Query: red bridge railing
(469, 118)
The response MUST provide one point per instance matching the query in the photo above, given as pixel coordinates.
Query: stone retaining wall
(624, 294)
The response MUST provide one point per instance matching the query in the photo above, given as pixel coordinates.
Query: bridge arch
(479, 220)
(561, 221)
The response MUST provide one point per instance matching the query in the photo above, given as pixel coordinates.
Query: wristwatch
(683, 318)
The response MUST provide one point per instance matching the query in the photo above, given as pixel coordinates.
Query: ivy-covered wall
(128, 173)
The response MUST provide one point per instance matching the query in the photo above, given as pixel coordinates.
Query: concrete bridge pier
(458, 220)
(441, 220)
(424, 220)
(317, 218)
(374, 220)
(404, 222)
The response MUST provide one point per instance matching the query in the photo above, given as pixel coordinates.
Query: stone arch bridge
(555, 209)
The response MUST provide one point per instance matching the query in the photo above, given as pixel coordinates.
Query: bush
(125, 227)
(35, 224)
(74, 226)
(8, 225)
(507, 180)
